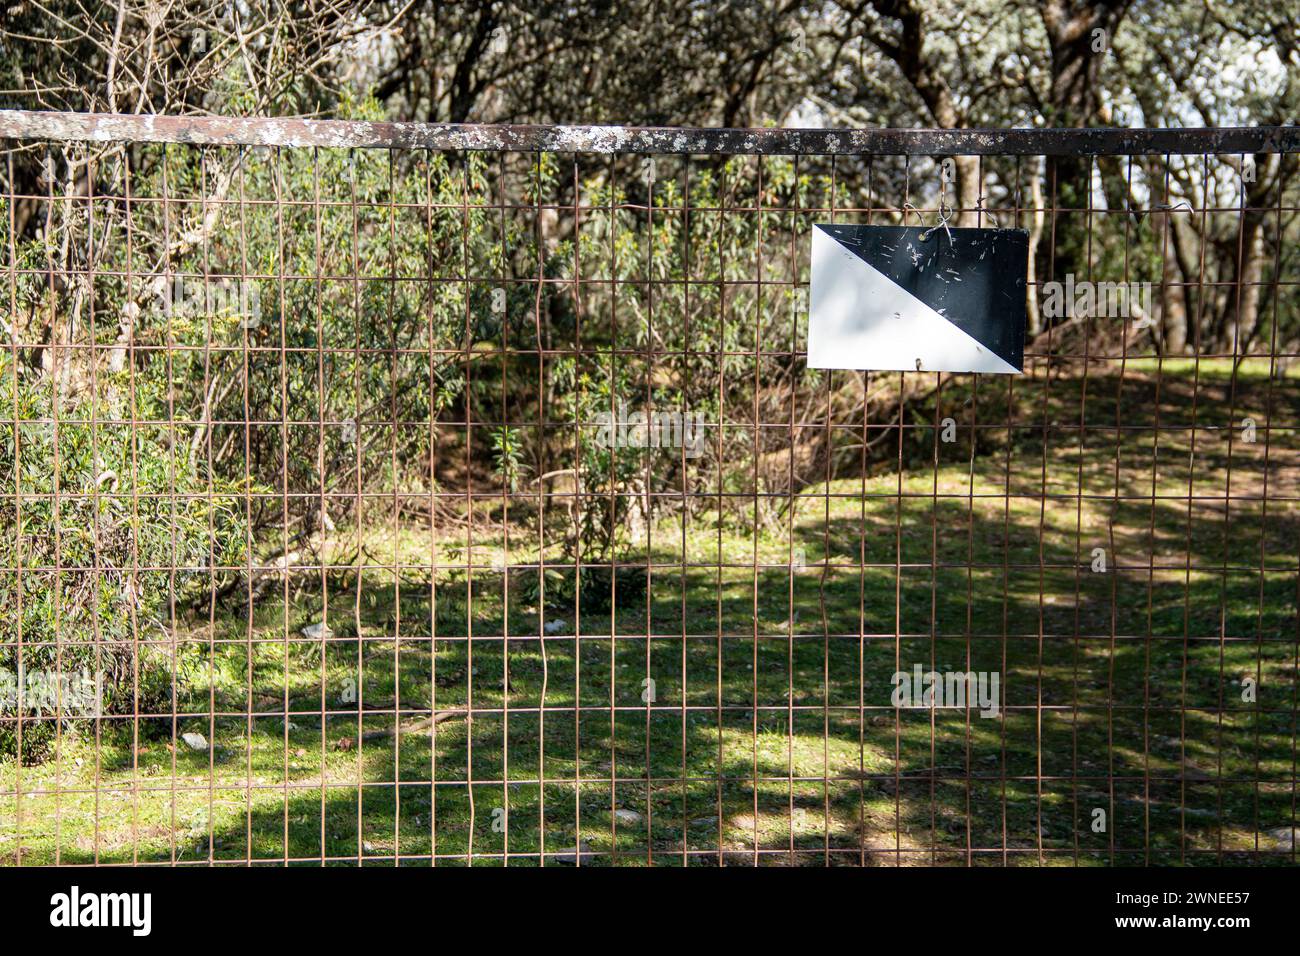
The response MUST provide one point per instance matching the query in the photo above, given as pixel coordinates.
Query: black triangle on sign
(973, 278)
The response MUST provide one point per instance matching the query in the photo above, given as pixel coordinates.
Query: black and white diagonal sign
(883, 297)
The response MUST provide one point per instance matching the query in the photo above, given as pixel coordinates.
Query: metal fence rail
(387, 493)
(363, 134)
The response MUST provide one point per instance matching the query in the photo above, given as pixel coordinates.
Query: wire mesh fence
(391, 494)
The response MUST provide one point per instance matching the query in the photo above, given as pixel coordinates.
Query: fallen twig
(423, 725)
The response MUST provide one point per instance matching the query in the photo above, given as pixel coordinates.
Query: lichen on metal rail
(289, 132)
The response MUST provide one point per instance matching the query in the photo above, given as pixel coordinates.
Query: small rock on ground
(571, 855)
(1284, 837)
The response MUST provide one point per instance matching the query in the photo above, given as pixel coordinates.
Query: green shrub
(89, 516)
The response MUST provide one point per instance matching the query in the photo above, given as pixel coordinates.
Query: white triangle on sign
(860, 318)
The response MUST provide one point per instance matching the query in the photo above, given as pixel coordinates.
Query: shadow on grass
(771, 736)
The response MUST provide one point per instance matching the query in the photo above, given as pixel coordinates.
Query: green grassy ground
(771, 736)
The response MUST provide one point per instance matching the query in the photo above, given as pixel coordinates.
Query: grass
(770, 736)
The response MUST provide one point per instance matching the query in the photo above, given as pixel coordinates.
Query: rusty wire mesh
(319, 554)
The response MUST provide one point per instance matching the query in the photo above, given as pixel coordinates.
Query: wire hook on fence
(979, 209)
(945, 210)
